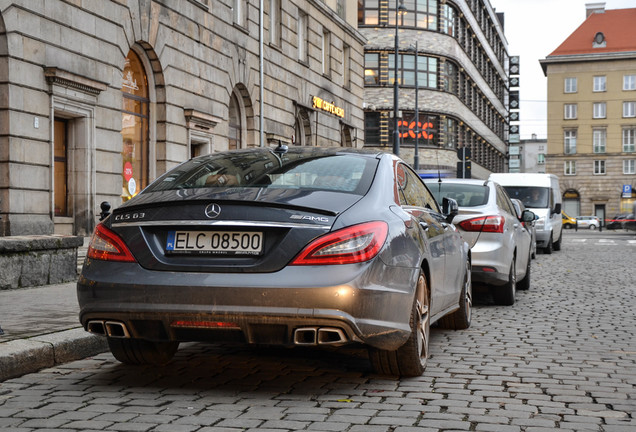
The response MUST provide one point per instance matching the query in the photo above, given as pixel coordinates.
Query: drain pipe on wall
(260, 75)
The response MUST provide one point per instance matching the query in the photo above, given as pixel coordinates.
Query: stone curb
(23, 356)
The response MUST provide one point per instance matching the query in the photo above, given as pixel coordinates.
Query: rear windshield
(466, 195)
(531, 196)
(347, 173)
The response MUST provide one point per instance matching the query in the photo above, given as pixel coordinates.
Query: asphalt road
(563, 357)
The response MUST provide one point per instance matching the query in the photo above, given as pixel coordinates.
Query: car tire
(524, 284)
(410, 359)
(548, 248)
(505, 295)
(461, 318)
(592, 227)
(141, 352)
(557, 244)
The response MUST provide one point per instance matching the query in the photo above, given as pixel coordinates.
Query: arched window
(134, 130)
(234, 132)
(302, 129)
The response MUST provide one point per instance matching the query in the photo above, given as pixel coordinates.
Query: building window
(427, 70)
(629, 166)
(450, 77)
(372, 127)
(420, 14)
(569, 142)
(569, 168)
(235, 127)
(629, 109)
(600, 110)
(600, 83)
(570, 85)
(274, 22)
(448, 17)
(599, 140)
(303, 20)
(599, 167)
(369, 12)
(540, 159)
(135, 116)
(629, 140)
(570, 111)
(629, 82)
(371, 68)
(326, 52)
(240, 12)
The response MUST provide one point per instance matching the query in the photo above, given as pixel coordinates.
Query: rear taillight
(105, 245)
(349, 245)
(484, 224)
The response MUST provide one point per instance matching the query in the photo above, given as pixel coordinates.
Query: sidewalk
(42, 329)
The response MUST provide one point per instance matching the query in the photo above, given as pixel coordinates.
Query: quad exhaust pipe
(319, 336)
(114, 329)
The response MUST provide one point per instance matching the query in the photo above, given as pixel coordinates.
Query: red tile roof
(618, 26)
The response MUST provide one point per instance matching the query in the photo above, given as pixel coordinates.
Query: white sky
(535, 28)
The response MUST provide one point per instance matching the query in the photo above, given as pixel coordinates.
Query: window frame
(629, 166)
(629, 139)
(599, 110)
(629, 109)
(569, 142)
(599, 140)
(629, 82)
(570, 85)
(569, 168)
(599, 167)
(600, 83)
(570, 111)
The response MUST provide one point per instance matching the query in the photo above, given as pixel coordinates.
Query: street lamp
(399, 10)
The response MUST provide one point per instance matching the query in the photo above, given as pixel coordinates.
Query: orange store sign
(425, 129)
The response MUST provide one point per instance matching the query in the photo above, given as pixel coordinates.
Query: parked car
(568, 221)
(520, 208)
(500, 244)
(618, 221)
(303, 246)
(590, 222)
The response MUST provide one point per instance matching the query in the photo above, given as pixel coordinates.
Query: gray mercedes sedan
(299, 246)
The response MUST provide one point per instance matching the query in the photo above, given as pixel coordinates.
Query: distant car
(618, 221)
(500, 245)
(299, 246)
(568, 221)
(520, 208)
(590, 222)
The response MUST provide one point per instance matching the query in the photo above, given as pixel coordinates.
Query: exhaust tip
(116, 329)
(328, 336)
(305, 336)
(96, 327)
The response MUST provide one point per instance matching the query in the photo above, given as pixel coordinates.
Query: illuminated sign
(323, 105)
(425, 129)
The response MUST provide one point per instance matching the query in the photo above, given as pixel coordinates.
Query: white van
(541, 194)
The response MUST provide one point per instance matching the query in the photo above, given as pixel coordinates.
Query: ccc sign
(425, 129)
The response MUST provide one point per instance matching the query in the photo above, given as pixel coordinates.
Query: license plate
(215, 242)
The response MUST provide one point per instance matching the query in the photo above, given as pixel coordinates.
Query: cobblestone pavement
(563, 357)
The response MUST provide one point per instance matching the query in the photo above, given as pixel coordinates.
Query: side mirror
(450, 209)
(557, 208)
(528, 216)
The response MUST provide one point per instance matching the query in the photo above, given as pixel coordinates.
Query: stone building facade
(459, 54)
(592, 114)
(98, 98)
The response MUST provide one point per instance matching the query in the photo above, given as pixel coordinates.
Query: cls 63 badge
(127, 217)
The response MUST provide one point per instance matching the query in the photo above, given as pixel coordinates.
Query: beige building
(455, 55)
(592, 113)
(98, 98)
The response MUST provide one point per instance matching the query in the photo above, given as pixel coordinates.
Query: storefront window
(134, 127)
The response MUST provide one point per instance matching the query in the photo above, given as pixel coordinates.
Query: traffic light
(463, 169)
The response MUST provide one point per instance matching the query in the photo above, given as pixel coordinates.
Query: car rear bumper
(299, 305)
